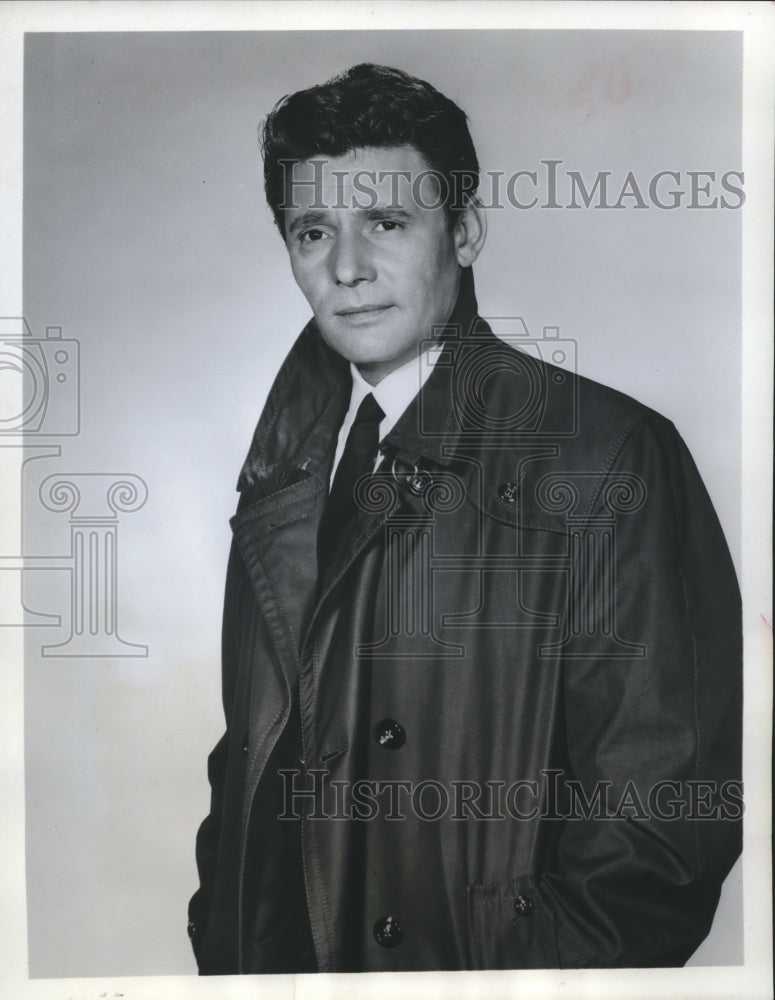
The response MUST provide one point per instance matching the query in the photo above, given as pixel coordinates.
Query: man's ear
(470, 232)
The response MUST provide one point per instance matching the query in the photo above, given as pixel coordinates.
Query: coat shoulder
(560, 434)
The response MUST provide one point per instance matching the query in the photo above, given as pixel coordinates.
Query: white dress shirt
(394, 393)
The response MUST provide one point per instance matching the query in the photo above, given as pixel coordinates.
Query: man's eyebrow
(309, 218)
(383, 212)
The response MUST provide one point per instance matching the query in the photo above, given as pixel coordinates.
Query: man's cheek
(305, 280)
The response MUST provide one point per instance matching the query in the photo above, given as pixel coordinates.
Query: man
(481, 645)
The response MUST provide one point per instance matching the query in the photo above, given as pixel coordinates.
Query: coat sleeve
(209, 834)
(659, 736)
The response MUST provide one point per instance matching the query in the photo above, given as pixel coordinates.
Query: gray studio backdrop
(147, 241)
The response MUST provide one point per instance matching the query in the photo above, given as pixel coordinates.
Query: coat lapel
(276, 536)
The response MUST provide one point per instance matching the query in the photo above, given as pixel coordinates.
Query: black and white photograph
(386, 441)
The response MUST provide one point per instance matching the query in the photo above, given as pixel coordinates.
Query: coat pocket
(510, 927)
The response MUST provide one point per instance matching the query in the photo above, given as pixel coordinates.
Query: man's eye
(312, 236)
(388, 225)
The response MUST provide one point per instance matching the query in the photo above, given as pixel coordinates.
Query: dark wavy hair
(370, 105)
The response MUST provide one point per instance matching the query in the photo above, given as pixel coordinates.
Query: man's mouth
(364, 310)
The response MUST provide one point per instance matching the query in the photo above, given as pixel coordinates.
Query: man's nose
(352, 260)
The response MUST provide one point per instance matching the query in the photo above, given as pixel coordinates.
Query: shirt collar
(396, 390)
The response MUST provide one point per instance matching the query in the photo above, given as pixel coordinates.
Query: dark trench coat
(509, 713)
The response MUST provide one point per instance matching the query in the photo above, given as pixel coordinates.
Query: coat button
(523, 906)
(507, 492)
(388, 932)
(389, 734)
(245, 745)
(418, 482)
(191, 928)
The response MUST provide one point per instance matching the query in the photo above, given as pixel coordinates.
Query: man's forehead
(367, 177)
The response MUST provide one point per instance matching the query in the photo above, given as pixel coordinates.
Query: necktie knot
(369, 412)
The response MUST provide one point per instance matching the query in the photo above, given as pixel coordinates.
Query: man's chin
(362, 347)
(372, 361)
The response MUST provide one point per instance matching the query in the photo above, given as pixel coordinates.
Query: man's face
(378, 268)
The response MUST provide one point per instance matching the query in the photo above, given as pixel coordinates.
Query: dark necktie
(357, 460)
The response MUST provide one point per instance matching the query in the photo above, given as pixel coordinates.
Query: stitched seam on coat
(695, 664)
(322, 887)
(279, 605)
(315, 686)
(311, 832)
(305, 871)
(257, 752)
(243, 852)
(614, 453)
